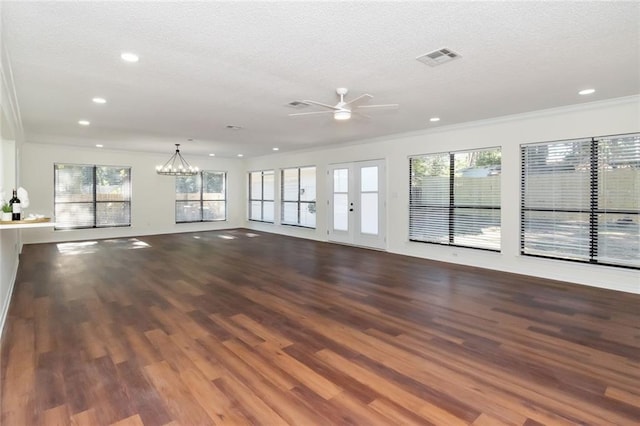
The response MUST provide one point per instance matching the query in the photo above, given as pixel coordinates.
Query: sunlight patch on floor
(88, 247)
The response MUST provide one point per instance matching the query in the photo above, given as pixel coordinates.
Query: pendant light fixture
(177, 166)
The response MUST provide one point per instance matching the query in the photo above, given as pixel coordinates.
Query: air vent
(297, 104)
(438, 57)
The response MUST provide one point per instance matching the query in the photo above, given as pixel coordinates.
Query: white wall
(11, 133)
(593, 119)
(153, 196)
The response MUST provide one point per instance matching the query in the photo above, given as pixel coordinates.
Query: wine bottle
(15, 206)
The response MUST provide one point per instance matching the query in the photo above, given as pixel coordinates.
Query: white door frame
(350, 231)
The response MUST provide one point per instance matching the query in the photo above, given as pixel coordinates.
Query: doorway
(357, 204)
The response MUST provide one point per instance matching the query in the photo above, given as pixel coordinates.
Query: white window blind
(261, 196)
(201, 197)
(455, 198)
(89, 196)
(580, 200)
(298, 195)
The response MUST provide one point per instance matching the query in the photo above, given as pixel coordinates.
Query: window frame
(201, 199)
(451, 208)
(262, 198)
(94, 202)
(299, 202)
(593, 209)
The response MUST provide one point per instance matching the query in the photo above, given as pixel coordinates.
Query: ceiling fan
(343, 109)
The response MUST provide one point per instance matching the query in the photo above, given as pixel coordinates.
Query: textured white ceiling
(206, 65)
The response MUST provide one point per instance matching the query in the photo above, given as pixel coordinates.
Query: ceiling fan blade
(359, 99)
(310, 113)
(385, 106)
(361, 115)
(333, 107)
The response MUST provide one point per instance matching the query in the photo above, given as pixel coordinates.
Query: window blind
(89, 196)
(261, 196)
(580, 200)
(201, 197)
(455, 198)
(298, 190)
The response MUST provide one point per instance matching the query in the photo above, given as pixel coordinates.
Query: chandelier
(177, 166)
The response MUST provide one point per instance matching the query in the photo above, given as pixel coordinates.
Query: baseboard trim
(5, 309)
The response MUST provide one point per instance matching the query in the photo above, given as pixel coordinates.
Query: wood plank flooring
(234, 327)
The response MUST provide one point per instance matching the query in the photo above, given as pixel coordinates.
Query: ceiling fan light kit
(342, 115)
(343, 110)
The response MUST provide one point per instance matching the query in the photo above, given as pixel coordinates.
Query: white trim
(5, 308)
(9, 88)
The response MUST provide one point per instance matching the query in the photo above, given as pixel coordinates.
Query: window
(201, 197)
(580, 200)
(261, 196)
(299, 196)
(455, 198)
(89, 196)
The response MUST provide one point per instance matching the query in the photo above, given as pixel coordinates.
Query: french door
(357, 203)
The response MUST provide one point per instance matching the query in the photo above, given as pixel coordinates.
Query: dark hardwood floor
(237, 327)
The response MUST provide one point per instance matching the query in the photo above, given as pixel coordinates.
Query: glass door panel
(357, 209)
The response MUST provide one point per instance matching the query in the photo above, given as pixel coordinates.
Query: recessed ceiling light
(232, 127)
(84, 122)
(434, 119)
(99, 145)
(240, 155)
(275, 148)
(129, 57)
(99, 100)
(586, 91)
(212, 155)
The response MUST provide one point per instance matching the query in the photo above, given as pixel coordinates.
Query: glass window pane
(214, 185)
(255, 185)
(74, 215)
(188, 211)
(429, 224)
(290, 213)
(477, 228)
(214, 210)
(269, 185)
(557, 234)
(268, 211)
(308, 214)
(290, 189)
(188, 187)
(113, 214)
(341, 180)
(255, 210)
(619, 239)
(369, 213)
(369, 179)
(73, 183)
(557, 176)
(340, 212)
(308, 184)
(112, 183)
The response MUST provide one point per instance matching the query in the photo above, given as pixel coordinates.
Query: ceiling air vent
(297, 104)
(438, 57)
